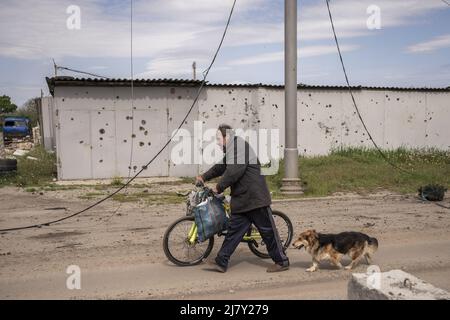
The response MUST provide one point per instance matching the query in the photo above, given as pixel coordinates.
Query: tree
(6, 106)
(29, 110)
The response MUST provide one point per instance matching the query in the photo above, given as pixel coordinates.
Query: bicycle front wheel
(179, 249)
(285, 231)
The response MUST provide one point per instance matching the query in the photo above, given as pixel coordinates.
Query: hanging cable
(81, 72)
(199, 91)
(359, 114)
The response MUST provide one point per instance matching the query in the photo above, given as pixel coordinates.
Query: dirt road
(119, 249)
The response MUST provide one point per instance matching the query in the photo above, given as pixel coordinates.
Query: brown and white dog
(333, 246)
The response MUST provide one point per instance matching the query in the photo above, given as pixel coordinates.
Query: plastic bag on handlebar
(210, 218)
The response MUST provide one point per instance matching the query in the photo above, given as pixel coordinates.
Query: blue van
(16, 127)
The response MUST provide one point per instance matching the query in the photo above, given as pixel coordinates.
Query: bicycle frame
(192, 235)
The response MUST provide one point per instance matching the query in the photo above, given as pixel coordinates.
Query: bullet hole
(243, 120)
(134, 167)
(221, 105)
(81, 142)
(117, 97)
(134, 108)
(141, 128)
(101, 138)
(102, 131)
(143, 122)
(356, 131)
(185, 122)
(179, 97)
(133, 136)
(234, 99)
(387, 96)
(71, 119)
(172, 90)
(149, 143)
(303, 120)
(145, 133)
(398, 99)
(129, 167)
(425, 120)
(310, 119)
(336, 141)
(128, 117)
(99, 112)
(304, 150)
(141, 144)
(107, 124)
(426, 135)
(229, 92)
(87, 92)
(125, 140)
(144, 167)
(63, 99)
(101, 161)
(170, 119)
(331, 117)
(430, 118)
(259, 121)
(309, 95)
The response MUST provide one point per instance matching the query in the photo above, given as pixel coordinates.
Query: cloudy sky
(411, 47)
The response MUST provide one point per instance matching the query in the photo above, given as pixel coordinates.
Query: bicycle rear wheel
(177, 247)
(285, 231)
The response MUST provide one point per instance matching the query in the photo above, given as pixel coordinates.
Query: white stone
(392, 285)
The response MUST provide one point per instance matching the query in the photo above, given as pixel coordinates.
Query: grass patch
(117, 182)
(364, 170)
(32, 172)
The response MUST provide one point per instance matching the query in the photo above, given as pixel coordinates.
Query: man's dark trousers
(238, 226)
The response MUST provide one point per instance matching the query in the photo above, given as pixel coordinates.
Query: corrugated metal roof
(81, 82)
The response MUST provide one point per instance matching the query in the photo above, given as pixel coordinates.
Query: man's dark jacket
(240, 169)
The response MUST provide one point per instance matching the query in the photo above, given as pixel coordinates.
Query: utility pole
(291, 181)
(194, 70)
(55, 67)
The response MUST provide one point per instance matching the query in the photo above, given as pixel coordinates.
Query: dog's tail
(373, 244)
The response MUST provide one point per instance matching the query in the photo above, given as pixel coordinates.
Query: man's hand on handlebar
(199, 182)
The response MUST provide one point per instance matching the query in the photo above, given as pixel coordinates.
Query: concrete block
(392, 285)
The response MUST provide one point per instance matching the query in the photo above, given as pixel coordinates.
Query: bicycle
(182, 233)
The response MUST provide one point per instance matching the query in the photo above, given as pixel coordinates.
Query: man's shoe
(277, 268)
(217, 267)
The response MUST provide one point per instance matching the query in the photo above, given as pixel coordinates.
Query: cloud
(434, 44)
(305, 52)
(172, 34)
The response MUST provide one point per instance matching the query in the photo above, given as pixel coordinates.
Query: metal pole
(290, 182)
(194, 69)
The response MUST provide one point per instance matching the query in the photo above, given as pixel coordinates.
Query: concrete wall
(94, 125)
(47, 119)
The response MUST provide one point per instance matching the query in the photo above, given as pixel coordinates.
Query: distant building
(90, 120)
